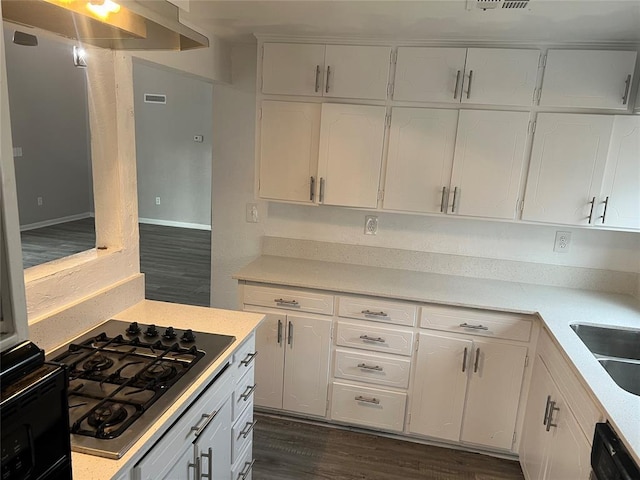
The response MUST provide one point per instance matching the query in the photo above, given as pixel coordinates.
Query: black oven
(35, 439)
(609, 458)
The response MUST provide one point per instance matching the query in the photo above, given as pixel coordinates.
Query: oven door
(609, 458)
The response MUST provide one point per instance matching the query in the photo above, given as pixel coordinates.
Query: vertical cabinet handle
(604, 212)
(552, 408)
(321, 199)
(328, 76)
(475, 365)
(455, 195)
(546, 410)
(455, 89)
(469, 86)
(196, 467)
(209, 457)
(312, 188)
(279, 332)
(290, 336)
(627, 85)
(443, 202)
(317, 78)
(464, 360)
(592, 202)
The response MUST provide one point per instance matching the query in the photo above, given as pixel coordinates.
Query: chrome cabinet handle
(248, 427)
(312, 187)
(469, 85)
(247, 392)
(374, 314)
(209, 457)
(321, 199)
(288, 303)
(290, 336)
(367, 338)
(552, 408)
(317, 78)
(464, 360)
(279, 332)
(372, 400)
(475, 365)
(592, 202)
(455, 89)
(627, 85)
(443, 203)
(474, 327)
(245, 471)
(209, 417)
(327, 84)
(546, 410)
(369, 367)
(248, 359)
(196, 467)
(604, 212)
(455, 195)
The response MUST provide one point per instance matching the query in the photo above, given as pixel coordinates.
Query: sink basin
(625, 374)
(609, 342)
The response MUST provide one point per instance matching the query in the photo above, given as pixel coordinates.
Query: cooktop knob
(133, 329)
(169, 333)
(188, 336)
(151, 331)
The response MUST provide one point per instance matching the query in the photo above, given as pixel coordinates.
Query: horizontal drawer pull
(367, 338)
(247, 393)
(209, 419)
(248, 359)
(248, 427)
(370, 367)
(290, 303)
(372, 400)
(473, 327)
(245, 471)
(374, 314)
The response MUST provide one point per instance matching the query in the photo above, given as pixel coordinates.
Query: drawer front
(510, 326)
(242, 433)
(243, 393)
(370, 407)
(241, 469)
(244, 357)
(377, 310)
(288, 299)
(375, 337)
(372, 368)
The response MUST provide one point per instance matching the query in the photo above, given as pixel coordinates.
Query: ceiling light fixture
(103, 8)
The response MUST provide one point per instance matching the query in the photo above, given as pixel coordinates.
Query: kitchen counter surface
(238, 324)
(558, 307)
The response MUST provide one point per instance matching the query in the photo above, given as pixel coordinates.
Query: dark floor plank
(285, 449)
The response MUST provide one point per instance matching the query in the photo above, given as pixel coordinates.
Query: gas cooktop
(123, 376)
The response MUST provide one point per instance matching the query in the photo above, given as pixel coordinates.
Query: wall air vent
(155, 98)
(497, 4)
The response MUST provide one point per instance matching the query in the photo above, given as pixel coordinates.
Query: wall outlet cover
(370, 225)
(563, 240)
(252, 213)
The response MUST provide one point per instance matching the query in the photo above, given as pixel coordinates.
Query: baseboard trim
(56, 221)
(170, 223)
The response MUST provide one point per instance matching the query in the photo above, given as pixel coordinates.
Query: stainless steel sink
(617, 350)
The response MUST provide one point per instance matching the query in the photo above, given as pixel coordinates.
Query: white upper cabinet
(620, 197)
(588, 78)
(566, 168)
(488, 163)
(292, 69)
(346, 71)
(475, 75)
(289, 138)
(420, 159)
(351, 138)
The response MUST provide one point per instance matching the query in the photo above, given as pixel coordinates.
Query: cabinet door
(289, 137)
(419, 161)
(621, 186)
(488, 163)
(493, 396)
(292, 69)
(214, 445)
(270, 364)
(306, 370)
(440, 384)
(500, 76)
(567, 163)
(351, 138)
(588, 78)
(183, 467)
(357, 72)
(429, 74)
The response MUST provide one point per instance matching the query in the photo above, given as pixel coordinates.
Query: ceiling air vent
(496, 4)
(155, 98)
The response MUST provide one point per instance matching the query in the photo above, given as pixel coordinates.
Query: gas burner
(107, 416)
(151, 331)
(188, 336)
(160, 372)
(133, 329)
(169, 333)
(97, 363)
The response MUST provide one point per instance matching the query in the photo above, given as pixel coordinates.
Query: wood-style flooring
(176, 261)
(285, 449)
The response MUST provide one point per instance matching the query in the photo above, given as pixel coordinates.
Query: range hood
(125, 25)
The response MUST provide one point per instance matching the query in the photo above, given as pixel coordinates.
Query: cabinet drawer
(244, 357)
(242, 434)
(241, 469)
(370, 407)
(288, 299)
(243, 393)
(374, 337)
(377, 310)
(372, 368)
(511, 326)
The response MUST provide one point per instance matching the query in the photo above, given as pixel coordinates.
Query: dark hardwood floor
(176, 261)
(285, 449)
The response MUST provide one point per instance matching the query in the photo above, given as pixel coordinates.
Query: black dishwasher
(610, 460)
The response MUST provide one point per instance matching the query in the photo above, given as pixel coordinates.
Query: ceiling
(544, 21)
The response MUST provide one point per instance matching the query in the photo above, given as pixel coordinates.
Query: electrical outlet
(370, 225)
(563, 240)
(40, 201)
(198, 138)
(157, 200)
(252, 213)
(17, 152)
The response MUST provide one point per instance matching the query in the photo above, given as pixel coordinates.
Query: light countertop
(203, 319)
(558, 307)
